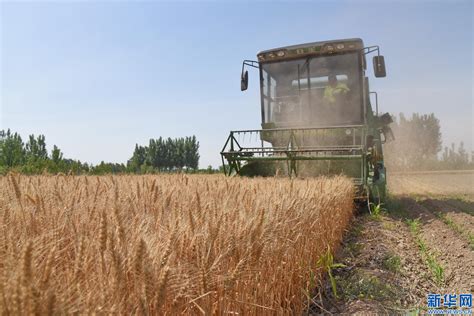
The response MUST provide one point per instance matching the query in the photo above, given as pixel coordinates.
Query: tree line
(161, 155)
(166, 155)
(418, 146)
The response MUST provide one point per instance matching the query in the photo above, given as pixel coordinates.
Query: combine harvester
(317, 117)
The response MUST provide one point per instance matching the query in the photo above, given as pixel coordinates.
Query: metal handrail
(297, 128)
(317, 148)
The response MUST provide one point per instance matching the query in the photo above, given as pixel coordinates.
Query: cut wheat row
(165, 244)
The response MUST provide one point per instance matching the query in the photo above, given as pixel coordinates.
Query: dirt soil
(450, 246)
(422, 243)
(448, 207)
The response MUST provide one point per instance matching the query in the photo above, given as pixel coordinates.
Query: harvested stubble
(165, 244)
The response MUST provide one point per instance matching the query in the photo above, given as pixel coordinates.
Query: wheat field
(165, 244)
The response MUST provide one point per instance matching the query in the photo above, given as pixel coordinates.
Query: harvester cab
(317, 117)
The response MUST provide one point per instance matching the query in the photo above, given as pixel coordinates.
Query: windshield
(318, 91)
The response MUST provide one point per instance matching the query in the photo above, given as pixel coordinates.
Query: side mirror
(379, 67)
(244, 81)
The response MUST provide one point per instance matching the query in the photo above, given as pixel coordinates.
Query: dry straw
(167, 244)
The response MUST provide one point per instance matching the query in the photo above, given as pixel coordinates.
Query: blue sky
(97, 77)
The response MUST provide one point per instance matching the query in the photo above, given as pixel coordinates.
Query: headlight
(281, 53)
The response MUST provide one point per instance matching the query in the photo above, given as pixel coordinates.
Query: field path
(421, 244)
(452, 251)
(385, 274)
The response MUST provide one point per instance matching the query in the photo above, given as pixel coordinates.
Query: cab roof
(313, 44)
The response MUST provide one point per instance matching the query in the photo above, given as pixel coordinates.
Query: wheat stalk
(212, 243)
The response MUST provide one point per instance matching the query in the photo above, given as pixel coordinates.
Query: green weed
(435, 268)
(414, 225)
(376, 210)
(361, 285)
(392, 263)
(471, 240)
(327, 263)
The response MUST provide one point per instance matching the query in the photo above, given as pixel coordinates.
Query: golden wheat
(165, 244)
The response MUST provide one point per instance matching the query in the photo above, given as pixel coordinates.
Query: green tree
(12, 151)
(106, 168)
(193, 153)
(36, 148)
(165, 155)
(138, 159)
(56, 155)
(170, 154)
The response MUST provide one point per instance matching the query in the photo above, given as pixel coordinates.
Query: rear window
(317, 82)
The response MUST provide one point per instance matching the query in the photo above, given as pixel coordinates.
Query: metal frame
(235, 154)
(370, 49)
(376, 102)
(250, 63)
